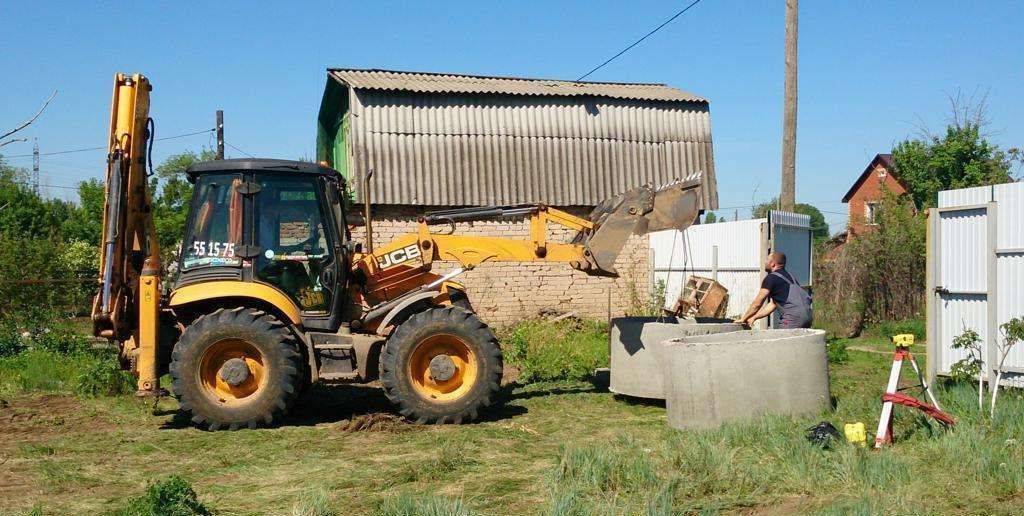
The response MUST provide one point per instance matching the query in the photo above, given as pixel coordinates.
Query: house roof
(880, 159)
(425, 82)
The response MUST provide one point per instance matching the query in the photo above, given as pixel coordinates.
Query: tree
(86, 220)
(710, 218)
(961, 158)
(819, 228)
(171, 195)
(878, 276)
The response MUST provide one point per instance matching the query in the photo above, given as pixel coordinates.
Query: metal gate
(975, 275)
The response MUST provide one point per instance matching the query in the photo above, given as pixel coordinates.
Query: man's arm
(755, 306)
(765, 311)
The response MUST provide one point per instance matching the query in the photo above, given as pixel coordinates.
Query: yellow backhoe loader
(273, 294)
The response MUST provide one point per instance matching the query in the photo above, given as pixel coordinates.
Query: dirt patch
(377, 422)
(33, 418)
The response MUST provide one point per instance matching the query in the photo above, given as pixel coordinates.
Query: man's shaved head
(777, 257)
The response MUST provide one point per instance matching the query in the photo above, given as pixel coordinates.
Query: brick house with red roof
(865, 196)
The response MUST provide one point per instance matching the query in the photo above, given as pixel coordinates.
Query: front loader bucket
(636, 212)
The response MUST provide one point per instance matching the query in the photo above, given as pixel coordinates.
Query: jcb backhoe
(273, 294)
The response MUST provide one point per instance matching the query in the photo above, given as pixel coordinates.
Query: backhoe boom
(127, 306)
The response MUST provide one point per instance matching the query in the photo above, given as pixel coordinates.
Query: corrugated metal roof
(423, 82)
(467, 149)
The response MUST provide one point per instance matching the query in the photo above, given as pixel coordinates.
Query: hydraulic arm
(397, 269)
(126, 310)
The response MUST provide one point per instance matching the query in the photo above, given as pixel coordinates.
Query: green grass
(558, 447)
(565, 350)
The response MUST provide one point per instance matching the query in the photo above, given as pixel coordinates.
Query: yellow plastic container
(856, 434)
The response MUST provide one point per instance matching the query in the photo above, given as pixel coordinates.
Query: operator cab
(276, 222)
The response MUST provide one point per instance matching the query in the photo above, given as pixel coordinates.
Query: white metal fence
(975, 274)
(733, 253)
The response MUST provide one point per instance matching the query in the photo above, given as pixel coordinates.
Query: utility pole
(35, 165)
(787, 197)
(220, 134)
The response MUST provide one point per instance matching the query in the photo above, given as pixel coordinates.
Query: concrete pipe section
(636, 362)
(714, 379)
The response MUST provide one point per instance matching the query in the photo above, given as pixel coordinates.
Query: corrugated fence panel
(792, 236)
(959, 312)
(1011, 298)
(962, 256)
(738, 245)
(965, 196)
(461, 149)
(1011, 215)
(677, 254)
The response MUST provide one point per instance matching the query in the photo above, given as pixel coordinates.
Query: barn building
(440, 141)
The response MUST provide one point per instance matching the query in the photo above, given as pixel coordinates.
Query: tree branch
(13, 140)
(30, 120)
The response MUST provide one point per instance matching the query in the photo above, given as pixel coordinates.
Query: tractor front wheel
(442, 365)
(234, 368)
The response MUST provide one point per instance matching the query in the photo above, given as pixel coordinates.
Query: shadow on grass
(325, 404)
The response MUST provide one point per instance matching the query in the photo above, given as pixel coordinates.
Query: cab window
(291, 231)
(216, 223)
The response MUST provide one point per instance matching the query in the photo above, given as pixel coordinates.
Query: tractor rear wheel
(442, 365)
(235, 368)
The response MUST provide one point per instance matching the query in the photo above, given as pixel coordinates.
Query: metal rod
(366, 211)
(220, 134)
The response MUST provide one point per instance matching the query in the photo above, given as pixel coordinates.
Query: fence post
(992, 294)
(932, 309)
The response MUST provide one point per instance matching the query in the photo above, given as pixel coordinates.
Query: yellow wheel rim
(458, 367)
(244, 382)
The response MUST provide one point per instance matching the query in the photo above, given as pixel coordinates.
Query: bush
(565, 350)
(173, 496)
(39, 328)
(914, 326)
(877, 276)
(103, 377)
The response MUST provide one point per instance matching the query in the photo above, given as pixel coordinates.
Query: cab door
(295, 237)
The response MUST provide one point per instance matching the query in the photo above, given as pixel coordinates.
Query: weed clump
(836, 349)
(552, 351)
(172, 496)
(423, 505)
(316, 502)
(102, 378)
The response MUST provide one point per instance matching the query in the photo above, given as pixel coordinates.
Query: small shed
(458, 140)
(437, 141)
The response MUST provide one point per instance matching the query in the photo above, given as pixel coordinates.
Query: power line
(31, 184)
(87, 149)
(239, 149)
(637, 42)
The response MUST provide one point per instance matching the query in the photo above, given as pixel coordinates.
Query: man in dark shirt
(780, 291)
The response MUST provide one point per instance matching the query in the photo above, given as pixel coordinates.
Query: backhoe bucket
(636, 212)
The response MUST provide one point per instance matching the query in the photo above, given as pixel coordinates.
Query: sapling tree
(969, 367)
(1012, 332)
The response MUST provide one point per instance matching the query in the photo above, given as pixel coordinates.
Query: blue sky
(869, 71)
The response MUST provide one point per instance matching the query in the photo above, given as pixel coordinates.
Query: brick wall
(503, 293)
(871, 191)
